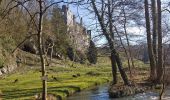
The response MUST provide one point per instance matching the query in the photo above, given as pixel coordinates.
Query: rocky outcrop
(4, 70)
(9, 66)
(7, 69)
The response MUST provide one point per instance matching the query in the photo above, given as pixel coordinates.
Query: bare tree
(149, 43)
(160, 57)
(129, 57)
(41, 53)
(125, 50)
(154, 29)
(109, 34)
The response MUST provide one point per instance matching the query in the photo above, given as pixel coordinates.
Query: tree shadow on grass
(21, 93)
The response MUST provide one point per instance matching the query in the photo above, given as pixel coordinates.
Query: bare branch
(10, 9)
(31, 16)
(166, 10)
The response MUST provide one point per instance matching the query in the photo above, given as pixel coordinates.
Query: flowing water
(101, 93)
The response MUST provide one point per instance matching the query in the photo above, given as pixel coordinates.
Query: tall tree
(149, 42)
(108, 33)
(155, 33)
(113, 60)
(40, 45)
(129, 54)
(154, 28)
(160, 56)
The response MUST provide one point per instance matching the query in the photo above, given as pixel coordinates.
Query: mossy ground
(61, 80)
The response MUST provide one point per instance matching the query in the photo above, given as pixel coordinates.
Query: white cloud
(136, 30)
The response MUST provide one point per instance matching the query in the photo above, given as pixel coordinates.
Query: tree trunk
(116, 60)
(154, 22)
(113, 60)
(160, 58)
(114, 68)
(154, 42)
(41, 52)
(120, 67)
(164, 78)
(149, 43)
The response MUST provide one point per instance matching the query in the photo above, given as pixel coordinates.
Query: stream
(101, 93)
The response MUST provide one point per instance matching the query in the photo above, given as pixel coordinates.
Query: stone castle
(77, 32)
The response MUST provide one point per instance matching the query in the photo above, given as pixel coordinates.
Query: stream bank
(101, 93)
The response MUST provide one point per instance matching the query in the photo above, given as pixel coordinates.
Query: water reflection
(100, 93)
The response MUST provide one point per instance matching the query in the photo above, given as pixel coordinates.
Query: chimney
(81, 21)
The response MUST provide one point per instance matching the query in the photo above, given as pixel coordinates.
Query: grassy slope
(29, 83)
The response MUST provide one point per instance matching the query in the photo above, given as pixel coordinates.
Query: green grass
(29, 83)
(63, 85)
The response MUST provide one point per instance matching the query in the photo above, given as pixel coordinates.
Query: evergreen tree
(92, 53)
